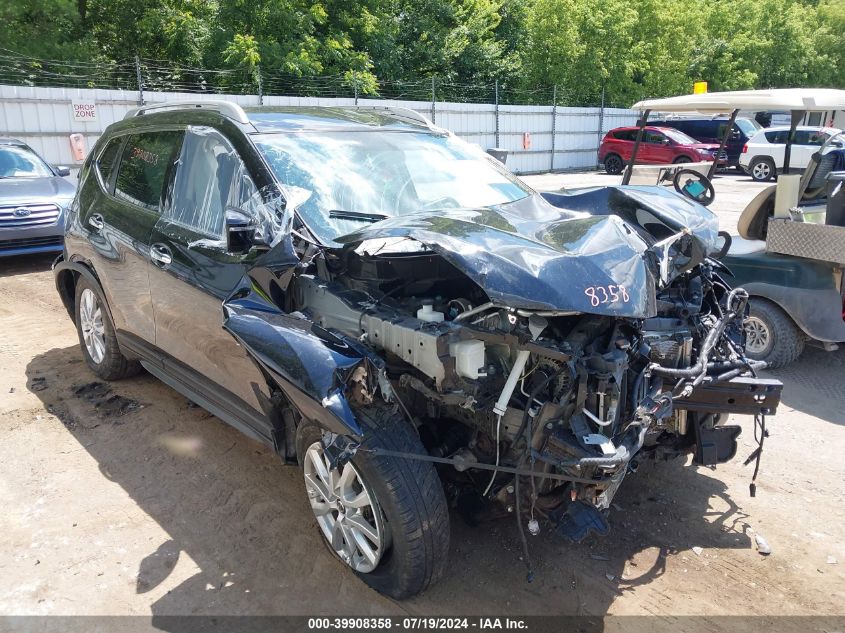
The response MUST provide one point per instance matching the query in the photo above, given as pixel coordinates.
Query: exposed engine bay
(575, 399)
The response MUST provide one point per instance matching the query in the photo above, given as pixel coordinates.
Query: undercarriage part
(714, 444)
(578, 520)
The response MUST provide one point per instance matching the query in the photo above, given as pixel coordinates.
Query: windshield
(342, 179)
(17, 161)
(679, 137)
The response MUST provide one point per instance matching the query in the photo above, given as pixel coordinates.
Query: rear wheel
(96, 335)
(770, 335)
(613, 164)
(681, 160)
(384, 517)
(762, 169)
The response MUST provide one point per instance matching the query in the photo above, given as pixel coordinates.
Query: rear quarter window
(624, 135)
(144, 166)
(107, 160)
(777, 137)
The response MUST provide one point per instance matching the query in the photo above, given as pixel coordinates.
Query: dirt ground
(124, 498)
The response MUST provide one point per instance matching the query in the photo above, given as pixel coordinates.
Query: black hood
(543, 254)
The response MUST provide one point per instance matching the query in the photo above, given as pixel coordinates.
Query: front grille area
(28, 215)
(32, 242)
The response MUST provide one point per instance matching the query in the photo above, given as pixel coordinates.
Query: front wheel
(384, 517)
(680, 160)
(770, 335)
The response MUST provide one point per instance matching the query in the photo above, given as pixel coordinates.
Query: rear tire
(771, 335)
(96, 335)
(613, 164)
(680, 160)
(762, 169)
(409, 495)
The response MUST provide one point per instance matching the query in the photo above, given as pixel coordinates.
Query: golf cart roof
(804, 99)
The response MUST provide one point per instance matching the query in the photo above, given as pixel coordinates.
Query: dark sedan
(33, 199)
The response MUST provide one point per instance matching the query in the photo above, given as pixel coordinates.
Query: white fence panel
(539, 138)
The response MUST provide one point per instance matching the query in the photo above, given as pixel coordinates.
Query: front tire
(385, 517)
(771, 336)
(680, 160)
(97, 337)
(762, 169)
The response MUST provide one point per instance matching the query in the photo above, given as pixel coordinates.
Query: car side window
(210, 177)
(810, 137)
(624, 135)
(654, 137)
(778, 137)
(144, 166)
(107, 159)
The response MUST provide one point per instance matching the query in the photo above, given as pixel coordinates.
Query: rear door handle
(161, 255)
(96, 220)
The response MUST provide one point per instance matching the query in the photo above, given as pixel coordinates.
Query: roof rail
(401, 112)
(226, 108)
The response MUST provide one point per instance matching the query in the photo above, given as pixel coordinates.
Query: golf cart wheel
(613, 164)
(770, 335)
(384, 517)
(762, 169)
(97, 336)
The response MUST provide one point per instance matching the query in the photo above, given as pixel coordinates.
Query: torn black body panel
(310, 364)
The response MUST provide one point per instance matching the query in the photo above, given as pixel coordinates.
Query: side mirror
(240, 230)
(666, 141)
(62, 170)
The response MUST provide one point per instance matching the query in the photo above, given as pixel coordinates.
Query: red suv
(660, 146)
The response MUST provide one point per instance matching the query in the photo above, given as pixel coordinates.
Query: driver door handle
(161, 255)
(96, 221)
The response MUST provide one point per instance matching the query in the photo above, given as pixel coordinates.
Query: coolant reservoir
(469, 358)
(428, 313)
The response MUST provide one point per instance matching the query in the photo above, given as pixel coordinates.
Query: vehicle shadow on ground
(24, 264)
(231, 507)
(815, 384)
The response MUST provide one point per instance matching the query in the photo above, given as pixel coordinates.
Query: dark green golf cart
(789, 253)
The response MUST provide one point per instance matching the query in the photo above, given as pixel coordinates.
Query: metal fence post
(497, 113)
(260, 85)
(355, 87)
(433, 102)
(554, 126)
(139, 81)
(601, 124)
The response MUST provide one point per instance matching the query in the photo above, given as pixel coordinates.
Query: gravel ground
(124, 499)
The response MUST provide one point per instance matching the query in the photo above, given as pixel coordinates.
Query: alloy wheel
(91, 323)
(757, 336)
(346, 510)
(761, 170)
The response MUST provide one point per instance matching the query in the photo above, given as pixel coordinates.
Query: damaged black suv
(390, 308)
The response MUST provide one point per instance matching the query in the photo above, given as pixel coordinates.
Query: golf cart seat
(752, 222)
